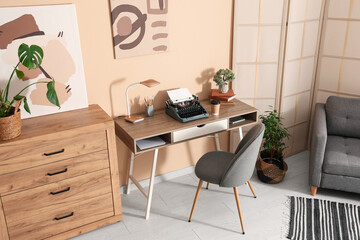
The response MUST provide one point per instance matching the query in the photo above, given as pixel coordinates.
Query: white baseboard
(162, 178)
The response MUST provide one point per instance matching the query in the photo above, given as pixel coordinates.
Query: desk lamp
(137, 118)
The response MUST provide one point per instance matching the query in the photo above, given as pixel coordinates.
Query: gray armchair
(231, 169)
(335, 145)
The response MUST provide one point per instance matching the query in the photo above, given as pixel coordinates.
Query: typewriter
(184, 107)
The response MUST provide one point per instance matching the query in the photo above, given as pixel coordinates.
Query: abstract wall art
(54, 28)
(140, 27)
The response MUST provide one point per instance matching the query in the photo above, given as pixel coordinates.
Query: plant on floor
(275, 132)
(30, 57)
(271, 165)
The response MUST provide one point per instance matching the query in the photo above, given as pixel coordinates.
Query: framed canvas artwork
(54, 28)
(139, 27)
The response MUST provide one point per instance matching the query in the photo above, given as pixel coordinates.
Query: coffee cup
(215, 107)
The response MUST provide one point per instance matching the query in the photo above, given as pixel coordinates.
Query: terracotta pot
(224, 88)
(10, 127)
(271, 172)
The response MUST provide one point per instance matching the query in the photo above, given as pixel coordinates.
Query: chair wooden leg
(239, 210)
(313, 190)
(207, 185)
(251, 188)
(196, 198)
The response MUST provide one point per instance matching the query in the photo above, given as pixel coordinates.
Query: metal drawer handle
(59, 218)
(53, 153)
(56, 173)
(199, 126)
(62, 191)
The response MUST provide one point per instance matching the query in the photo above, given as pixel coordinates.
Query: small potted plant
(10, 120)
(222, 78)
(271, 167)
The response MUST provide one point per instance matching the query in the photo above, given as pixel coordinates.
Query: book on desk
(224, 98)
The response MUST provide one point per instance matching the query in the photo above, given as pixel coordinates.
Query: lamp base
(134, 118)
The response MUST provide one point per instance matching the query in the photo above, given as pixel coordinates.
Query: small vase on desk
(224, 88)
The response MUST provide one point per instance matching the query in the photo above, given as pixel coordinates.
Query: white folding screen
(257, 39)
(302, 41)
(274, 59)
(339, 61)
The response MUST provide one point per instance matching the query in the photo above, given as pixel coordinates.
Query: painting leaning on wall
(54, 28)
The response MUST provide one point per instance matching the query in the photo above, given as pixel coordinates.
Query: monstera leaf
(31, 57)
(51, 93)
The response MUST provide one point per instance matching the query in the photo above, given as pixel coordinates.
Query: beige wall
(339, 62)
(200, 43)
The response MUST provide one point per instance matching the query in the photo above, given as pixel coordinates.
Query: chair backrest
(241, 167)
(343, 116)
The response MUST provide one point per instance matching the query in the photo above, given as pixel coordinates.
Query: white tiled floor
(215, 216)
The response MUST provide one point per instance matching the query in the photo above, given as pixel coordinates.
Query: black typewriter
(186, 111)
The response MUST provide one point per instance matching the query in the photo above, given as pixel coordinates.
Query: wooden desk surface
(161, 123)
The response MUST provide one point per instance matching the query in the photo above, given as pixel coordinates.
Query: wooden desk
(173, 132)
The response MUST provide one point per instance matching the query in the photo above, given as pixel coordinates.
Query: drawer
(200, 130)
(49, 148)
(49, 173)
(50, 197)
(61, 219)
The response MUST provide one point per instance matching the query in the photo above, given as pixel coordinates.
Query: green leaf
(19, 74)
(18, 97)
(26, 106)
(31, 57)
(51, 93)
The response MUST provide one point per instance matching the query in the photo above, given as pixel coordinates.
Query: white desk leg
(151, 185)
(217, 142)
(240, 133)
(130, 173)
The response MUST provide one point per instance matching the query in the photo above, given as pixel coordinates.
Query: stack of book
(224, 98)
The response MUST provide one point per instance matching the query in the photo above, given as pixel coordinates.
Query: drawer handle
(56, 173)
(199, 126)
(62, 191)
(59, 218)
(53, 153)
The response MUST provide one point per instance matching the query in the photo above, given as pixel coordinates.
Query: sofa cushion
(343, 116)
(342, 156)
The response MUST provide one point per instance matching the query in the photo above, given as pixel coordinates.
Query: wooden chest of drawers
(60, 177)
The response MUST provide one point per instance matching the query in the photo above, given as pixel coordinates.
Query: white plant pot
(224, 88)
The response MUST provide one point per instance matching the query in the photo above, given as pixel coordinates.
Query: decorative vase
(224, 88)
(10, 127)
(271, 172)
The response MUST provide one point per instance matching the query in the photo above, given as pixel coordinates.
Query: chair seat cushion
(212, 165)
(342, 156)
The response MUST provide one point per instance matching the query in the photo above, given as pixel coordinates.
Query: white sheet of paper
(150, 142)
(180, 95)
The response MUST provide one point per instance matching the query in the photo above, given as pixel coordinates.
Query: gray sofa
(335, 145)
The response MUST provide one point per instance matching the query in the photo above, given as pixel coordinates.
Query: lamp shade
(150, 83)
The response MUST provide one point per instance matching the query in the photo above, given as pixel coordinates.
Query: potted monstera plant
(271, 167)
(10, 120)
(222, 79)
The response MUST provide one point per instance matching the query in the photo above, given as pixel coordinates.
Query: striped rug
(324, 220)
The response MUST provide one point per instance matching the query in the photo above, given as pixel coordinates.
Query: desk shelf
(165, 137)
(250, 118)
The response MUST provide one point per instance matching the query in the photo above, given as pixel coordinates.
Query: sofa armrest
(317, 145)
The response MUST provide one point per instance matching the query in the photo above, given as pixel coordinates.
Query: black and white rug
(324, 220)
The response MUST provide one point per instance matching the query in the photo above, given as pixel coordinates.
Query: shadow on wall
(205, 80)
(113, 86)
